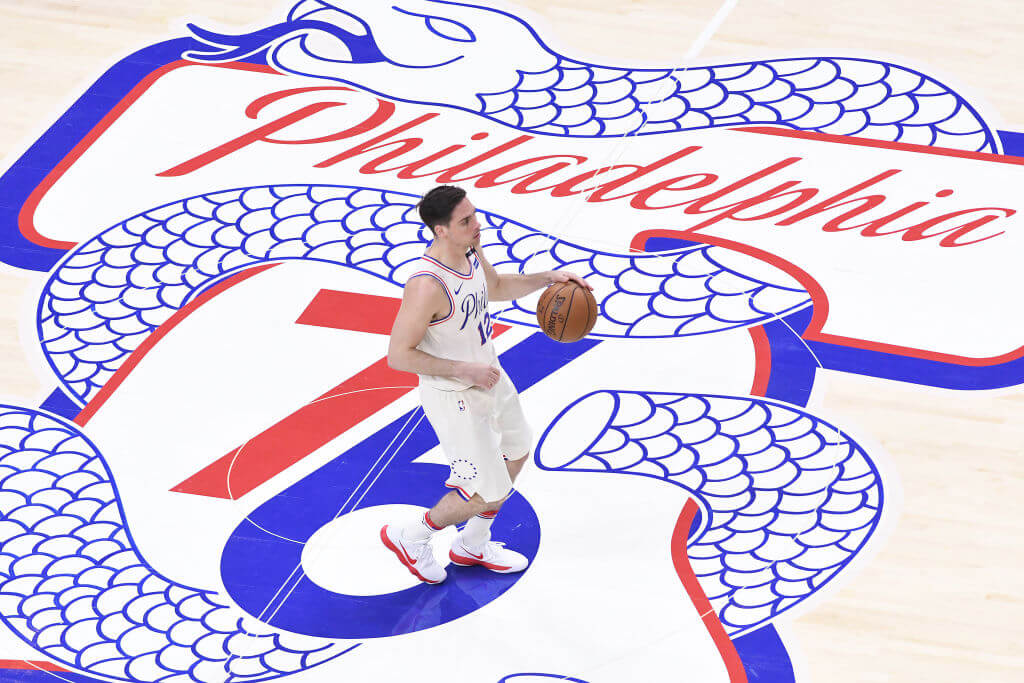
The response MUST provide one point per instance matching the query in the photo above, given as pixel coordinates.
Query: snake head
(429, 51)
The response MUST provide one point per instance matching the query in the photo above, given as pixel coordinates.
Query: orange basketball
(566, 312)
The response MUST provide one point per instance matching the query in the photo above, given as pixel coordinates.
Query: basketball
(566, 311)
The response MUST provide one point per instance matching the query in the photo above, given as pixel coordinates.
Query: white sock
(420, 530)
(478, 529)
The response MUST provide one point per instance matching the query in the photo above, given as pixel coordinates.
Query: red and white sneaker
(417, 556)
(493, 555)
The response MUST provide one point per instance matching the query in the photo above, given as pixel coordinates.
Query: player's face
(463, 228)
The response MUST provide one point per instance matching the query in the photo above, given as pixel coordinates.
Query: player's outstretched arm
(508, 286)
(422, 301)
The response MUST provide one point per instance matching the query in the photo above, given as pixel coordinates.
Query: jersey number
(485, 328)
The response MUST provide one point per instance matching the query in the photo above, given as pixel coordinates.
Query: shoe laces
(489, 549)
(422, 552)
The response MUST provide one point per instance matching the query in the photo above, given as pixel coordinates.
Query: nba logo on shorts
(462, 406)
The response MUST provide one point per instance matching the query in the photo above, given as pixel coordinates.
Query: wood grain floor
(942, 600)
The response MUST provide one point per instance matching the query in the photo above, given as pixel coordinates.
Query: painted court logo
(189, 502)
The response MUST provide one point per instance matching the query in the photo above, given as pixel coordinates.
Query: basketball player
(443, 334)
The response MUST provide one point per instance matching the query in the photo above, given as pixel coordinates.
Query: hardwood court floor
(942, 599)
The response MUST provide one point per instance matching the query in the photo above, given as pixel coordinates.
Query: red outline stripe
(299, 434)
(159, 333)
(27, 227)
(316, 423)
(27, 212)
(680, 536)
(451, 300)
(881, 144)
(762, 360)
(294, 437)
(820, 301)
(459, 489)
(451, 270)
(430, 522)
(29, 665)
(26, 215)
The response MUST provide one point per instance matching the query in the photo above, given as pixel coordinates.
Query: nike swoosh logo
(479, 557)
(459, 289)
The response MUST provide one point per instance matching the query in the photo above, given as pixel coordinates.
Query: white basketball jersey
(465, 333)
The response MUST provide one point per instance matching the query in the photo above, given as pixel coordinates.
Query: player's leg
(475, 539)
(515, 444)
(463, 422)
(478, 527)
(490, 510)
(516, 466)
(473, 545)
(454, 509)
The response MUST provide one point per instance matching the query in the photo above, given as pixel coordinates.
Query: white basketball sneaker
(415, 555)
(493, 555)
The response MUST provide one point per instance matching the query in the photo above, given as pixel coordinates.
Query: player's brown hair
(437, 205)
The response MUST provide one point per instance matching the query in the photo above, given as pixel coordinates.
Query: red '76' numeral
(317, 423)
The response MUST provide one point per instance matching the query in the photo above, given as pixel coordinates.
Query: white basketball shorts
(479, 430)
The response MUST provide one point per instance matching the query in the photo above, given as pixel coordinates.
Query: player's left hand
(565, 276)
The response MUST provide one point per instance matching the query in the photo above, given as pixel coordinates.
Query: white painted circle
(347, 556)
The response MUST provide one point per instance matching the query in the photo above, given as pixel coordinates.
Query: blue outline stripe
(46, 153)
(53, 146)
(451, 301)
(452, 270)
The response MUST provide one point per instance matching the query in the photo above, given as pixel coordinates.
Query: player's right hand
(480, 375)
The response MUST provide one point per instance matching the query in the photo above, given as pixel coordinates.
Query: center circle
(347, 556)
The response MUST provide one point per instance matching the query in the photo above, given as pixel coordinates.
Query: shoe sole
(401, 558)
(469, 562)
